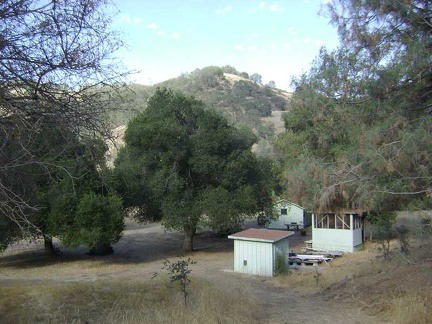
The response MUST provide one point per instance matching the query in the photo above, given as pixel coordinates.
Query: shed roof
(289, 202)
(261, 235)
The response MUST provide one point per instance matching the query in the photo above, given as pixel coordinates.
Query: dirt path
(142, 249)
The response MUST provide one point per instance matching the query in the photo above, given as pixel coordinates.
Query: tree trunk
(189, 232)
(48, 245)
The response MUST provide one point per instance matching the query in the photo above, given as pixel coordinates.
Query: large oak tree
(183, 163)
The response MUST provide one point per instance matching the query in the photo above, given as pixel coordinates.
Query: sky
(276, 39)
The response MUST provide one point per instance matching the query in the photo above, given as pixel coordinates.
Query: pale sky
(277, 39)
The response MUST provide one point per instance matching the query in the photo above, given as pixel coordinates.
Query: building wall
(259, 256)
(253, 257)
(332, 239)
(345, 240)
(294, 214)
(357, 238)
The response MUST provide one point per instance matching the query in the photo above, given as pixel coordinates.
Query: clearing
(139, 254)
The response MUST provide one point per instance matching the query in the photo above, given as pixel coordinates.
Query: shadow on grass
(135, 247)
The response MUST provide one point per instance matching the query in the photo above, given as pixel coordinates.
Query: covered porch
(338, 231)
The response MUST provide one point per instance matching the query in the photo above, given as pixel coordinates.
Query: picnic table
(293, 226)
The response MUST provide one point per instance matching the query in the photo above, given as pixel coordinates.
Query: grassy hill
(245, 103)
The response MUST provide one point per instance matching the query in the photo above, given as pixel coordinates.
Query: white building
(342, 231)
(255, 250)
(289, 216)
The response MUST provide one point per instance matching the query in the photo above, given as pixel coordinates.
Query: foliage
(54, 58)
(179, 272)
(243, 102)
(271, 84)
(78, 205)
(257, 78)
(68, 169)
(426, 225)
(359, 128)
(383, 231)
(126, 103)
(182, 161)
(281, 264)
(244, 75)
(402, 232)
(98, 219)
(207, 77)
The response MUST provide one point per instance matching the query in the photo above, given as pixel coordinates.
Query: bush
(223, 230)
(383, 231)
(281, 264)
(402, 234)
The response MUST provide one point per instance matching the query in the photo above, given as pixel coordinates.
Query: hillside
(244, 102)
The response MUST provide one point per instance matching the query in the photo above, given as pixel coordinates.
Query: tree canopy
(359, 132)
(56, 66)
(69, 169)
(183, 163)
(256, 78)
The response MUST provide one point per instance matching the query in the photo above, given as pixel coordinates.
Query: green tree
(396, 82)
(179, 272)
(78, 181)
(271, 84)
(190, 165)
(359, 132)
(98, 222)
(244, 75)
(257, 78)
(229, 69)
(54, 58)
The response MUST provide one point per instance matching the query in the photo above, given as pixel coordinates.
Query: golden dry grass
(396, 290)
(125, 302)
(83, 289)
(414, 307)
(351, 265)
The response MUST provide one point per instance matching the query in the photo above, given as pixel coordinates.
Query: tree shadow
(135, 247)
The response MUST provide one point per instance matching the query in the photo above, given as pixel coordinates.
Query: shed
(255, 250)
(289, 215)
(338, 231)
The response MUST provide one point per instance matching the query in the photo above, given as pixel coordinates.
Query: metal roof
(261, 235)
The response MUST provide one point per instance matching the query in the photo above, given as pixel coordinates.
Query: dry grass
(76, 288)
(351, 265)
(415, 307)
(396, 290)
(125, 302)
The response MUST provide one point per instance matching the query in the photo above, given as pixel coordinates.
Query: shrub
(281, 264)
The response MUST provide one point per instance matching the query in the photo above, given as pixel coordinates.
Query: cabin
(338, 231)
(255, 250)
(289, 216)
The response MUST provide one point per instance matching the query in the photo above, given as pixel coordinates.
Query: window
(343, 221)
(321, 221)
(284, 211)
(332, 221)
(347, 221)
(335, 221)
(357, 221)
